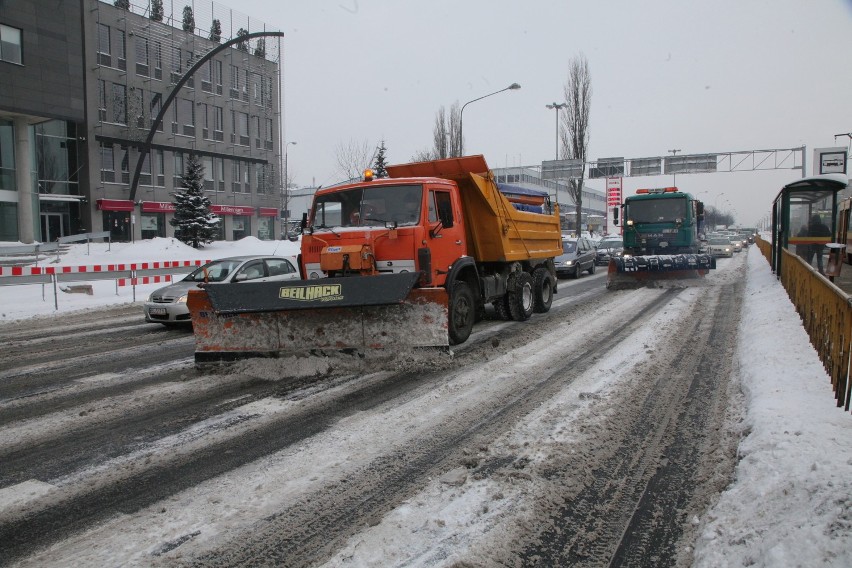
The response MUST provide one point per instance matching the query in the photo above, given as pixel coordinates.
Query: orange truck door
(446, 244)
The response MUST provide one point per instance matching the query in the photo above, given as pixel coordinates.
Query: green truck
(662, 230)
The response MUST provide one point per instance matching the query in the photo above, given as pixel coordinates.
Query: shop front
(266, 223)
(153, 219)
(236, 220)
(116, 214)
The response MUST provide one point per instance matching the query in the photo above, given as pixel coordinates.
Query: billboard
(646, 167)
(607, 167)
(691, 164)
(561, 169)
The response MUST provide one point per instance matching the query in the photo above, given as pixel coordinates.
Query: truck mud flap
(657, 271)
(274, 319)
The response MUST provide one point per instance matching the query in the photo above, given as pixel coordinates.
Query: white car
(167, 305)
(721, 246)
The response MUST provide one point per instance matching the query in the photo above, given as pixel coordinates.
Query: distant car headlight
(181, 300)
(569, 262)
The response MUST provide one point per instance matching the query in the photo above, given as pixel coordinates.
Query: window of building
(218, 123)
(155, 105)
(246, 178)
(205, 121)
(125, 164)
(136, 102)
(258, 132)
(102, 100)
(153, 225)
(190, 82)
(236, 177)
(214, 174)
(246, 83)
(256, 80)
(235, 82)
(119, 104)
(104, 45)
(7, 158)
(206, 73)
(145, 174)
(176, 67)
(142, 56)
(177, 178)
(157, 56)
(8, 221)
(217, 76)
(107, 163)
(241, 226)
(266, 231)
(186, 116)
(243, 128)
(121, 49)
(268, 142)
(159, 157)
(11, 44)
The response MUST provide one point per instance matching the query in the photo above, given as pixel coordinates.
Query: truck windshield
(657, 210)
(369, 206)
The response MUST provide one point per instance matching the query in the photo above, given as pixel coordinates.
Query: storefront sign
(267, 211)
(157, 207)
(115, 205)
(232, 210)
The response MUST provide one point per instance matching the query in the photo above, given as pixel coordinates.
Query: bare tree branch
(353, 158)
(456, 143)
(574, 131)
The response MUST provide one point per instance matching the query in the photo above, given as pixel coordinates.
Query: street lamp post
(674, 175)
(286, 195)
(557, 107)
(512, 87)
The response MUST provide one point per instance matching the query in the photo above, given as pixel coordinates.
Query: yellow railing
(826, 313)
(765, 247)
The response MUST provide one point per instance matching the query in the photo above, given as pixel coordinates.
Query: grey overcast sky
(720, 76)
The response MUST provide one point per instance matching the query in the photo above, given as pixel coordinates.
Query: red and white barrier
(39, 270)
(143, 280)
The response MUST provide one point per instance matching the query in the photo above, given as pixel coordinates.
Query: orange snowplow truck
(406, 261)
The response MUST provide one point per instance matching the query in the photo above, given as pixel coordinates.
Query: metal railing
(826, 313)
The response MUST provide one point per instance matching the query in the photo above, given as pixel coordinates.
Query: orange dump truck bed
(496, 231)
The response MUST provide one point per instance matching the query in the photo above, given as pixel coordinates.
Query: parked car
(721, 246)
(167, 305)
(608, 247)
(577, 255)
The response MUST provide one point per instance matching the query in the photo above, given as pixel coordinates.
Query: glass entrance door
(51, 227)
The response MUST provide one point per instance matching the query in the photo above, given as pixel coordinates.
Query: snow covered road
(593, 433)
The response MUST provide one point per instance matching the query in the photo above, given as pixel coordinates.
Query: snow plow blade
(306, 317)
(657, 271)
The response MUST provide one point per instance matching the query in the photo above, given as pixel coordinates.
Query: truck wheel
(592, 268)
(521, 297)
(462, 313)
(501, 308)
(543, 288)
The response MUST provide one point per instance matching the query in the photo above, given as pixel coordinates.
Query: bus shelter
(804, 218)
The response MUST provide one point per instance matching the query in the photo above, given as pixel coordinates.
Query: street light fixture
(557, 107)
(286, 195)
(512, 87)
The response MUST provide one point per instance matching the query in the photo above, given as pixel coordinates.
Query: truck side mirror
(615, 216)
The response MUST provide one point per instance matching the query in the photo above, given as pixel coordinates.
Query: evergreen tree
(243, 44)
(188, 19)
(379, 163)
(216, 31)
(260, 50)
(157, 10)
(194, 224)
(123, 4)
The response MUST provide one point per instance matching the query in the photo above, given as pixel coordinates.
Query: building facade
(118, 66)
